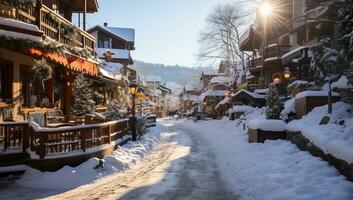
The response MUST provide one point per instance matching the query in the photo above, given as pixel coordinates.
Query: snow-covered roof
(122, 54)
(127, 34)
(107, 74)
(34, 32)
(115, 68)
(213, 93)
(253, 94)
(221, 79)
(224, 101)
(314, 94)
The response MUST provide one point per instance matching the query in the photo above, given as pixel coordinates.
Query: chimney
(105, 24)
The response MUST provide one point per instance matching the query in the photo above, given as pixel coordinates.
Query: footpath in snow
(273, 170)
(40, 184)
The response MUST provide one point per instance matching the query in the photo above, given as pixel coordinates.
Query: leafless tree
(220, 40)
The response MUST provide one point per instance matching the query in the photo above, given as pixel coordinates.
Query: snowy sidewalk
(274, 170)
(35, 184)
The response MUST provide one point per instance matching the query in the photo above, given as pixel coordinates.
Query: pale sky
(166, 30)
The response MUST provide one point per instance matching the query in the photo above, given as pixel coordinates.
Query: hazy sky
(166, 30)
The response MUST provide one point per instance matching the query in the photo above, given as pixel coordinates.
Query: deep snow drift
(273, 170)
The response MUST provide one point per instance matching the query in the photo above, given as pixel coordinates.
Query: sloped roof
(127, 34)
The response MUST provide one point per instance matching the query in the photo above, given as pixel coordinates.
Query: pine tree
(83, 97)
(121, 102)
(273, 103)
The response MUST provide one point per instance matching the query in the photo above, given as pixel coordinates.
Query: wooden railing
(51, 23)
(17, 137)
(13, 137)
(254, 62)
(52, 141)
(276, 51)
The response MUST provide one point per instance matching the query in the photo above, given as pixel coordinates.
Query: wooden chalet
(31, 33)
(287, 42)
(34, 31)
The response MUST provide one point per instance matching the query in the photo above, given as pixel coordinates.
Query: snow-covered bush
(300, 86)
(273, 103)
(83, 97)
(114, 111)
(98, 98)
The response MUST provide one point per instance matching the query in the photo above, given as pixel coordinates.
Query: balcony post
(84, 15)
(39, 14)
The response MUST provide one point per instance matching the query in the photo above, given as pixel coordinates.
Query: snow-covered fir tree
(119, 104)
(83, 97)
(273, 103)
(333, 58)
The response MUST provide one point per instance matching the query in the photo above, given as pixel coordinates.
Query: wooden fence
(16, 137)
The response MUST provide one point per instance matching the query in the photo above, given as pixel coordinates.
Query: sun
(266, 9)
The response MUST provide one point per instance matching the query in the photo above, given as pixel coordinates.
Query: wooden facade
(285, 41)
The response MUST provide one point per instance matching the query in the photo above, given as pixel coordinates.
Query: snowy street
(194, 161)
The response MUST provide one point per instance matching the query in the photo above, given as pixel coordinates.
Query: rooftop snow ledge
(267, 125)
(314, 94)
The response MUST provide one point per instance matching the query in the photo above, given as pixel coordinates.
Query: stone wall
(304, 144)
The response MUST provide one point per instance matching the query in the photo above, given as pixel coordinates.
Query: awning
(69, 61)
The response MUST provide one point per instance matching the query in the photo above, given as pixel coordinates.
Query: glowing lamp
(286, 73)
(133, 88)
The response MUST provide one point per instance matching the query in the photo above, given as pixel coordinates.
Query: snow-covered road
(207, 160)
(181, 167)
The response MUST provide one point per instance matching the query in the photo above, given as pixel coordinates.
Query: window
(33, 95)
(104, 43)
(5, 82)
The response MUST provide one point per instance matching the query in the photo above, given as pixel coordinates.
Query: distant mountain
(173, 75)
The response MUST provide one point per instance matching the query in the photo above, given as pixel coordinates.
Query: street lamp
(286, 75)
(133, 90)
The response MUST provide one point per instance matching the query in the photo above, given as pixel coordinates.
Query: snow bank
(342, 83)
(243, 108)
(332, 138)
(267, 125)
(70, 177)
(269, 171)
(314, 94)
(289, 107)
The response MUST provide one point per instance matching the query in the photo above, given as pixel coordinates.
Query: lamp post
(141, 96)
(286, 76)
(133, 90)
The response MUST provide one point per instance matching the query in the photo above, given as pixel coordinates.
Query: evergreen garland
(83, 97)
(48, 45)
(273, 103)
(23, 4)
(42, 71)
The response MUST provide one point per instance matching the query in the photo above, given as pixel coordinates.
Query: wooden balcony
(255, 63)
(52, 24)
(276, 50)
